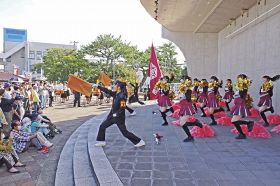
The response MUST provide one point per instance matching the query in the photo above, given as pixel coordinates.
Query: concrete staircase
(81, 163)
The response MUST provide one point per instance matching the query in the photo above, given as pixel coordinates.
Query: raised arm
(107, 91)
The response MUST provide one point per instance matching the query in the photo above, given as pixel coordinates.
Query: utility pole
(75, 44)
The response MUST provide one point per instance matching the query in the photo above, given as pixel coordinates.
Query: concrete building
(224, 37)
(20, 55)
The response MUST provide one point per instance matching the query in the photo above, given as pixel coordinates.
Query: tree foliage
(104, 53)
(59, 63)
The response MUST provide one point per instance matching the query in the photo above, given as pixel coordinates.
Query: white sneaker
(48, 144)
(100, 144)
(133, 113)
(140, 144)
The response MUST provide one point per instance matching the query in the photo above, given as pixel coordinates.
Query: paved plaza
(221, 160)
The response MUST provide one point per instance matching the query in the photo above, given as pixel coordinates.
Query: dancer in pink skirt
(266, 92)
(212, 100)
(202, 99)
(240, 109)
(164, 101)
(187, 109)
(228, 97)
(195, 91)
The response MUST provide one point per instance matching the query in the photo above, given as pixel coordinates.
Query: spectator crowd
(22, 122)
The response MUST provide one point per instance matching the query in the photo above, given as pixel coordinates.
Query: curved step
(103, 170)
(81, 163)
(64, 172)
(83, 171)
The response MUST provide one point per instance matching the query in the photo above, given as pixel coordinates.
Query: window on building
(39, 55)
(31, 54)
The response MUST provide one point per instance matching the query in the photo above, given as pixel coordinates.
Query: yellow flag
(79, 85)
(103, 78)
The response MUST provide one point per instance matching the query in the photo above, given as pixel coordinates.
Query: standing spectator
(35, 98)
(26, 95)
(16, 91)
(16, 109)
(51, 94)
(3, 122)
(67, 92)
(41, 95)
(7, 94)
(101, 97)
(7, 107)
(64, 93)
(145, 94)
(77, 98)
(46, 96)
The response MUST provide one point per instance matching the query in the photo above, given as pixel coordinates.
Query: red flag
(154, 73)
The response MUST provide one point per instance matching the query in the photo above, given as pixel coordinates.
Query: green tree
(59, 63)
(106, 50)
(166, 54)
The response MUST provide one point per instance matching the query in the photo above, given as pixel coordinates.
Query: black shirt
(118, 105)
(6, 104)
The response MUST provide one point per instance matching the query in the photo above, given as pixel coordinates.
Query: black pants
(121, 125)
(26, 104)
(50, 101)
(134, 98)
(130, 110)
(77, 100)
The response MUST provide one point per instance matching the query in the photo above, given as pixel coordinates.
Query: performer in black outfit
(117, 115)
(135, 97)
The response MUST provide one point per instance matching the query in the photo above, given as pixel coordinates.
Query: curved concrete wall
(200, 51)
(251, 45)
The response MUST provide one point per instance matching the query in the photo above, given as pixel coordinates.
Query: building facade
(20, 55)
(224, 37)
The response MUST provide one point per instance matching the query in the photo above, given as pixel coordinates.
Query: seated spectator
(26, 125)
(8, 155)
(37, 126)
(22, 140)
(44, 119)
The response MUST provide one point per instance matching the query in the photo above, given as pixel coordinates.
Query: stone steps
(104, 171)
(64, 171)
(81, 163)
(83, 172)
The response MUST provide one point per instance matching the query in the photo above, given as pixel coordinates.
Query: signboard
(15, 35)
